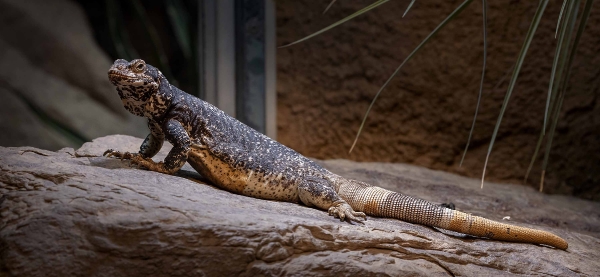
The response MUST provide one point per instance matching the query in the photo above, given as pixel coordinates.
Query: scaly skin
(236, 158)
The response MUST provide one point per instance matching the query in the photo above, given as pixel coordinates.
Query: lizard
(236, 158)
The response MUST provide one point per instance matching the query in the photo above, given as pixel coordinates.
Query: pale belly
(240, 180)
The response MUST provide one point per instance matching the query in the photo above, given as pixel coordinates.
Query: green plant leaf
(571, 56)
(562, 9)
(408, 8)
(180, 22)
(556, 78)
(501, 80)
(528, 38)
(484, 3)
(344, 20)
(452, 15)
(557, 65)
(329, 6)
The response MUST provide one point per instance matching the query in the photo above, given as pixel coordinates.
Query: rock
(56, 37)
(423, 116)
(57, 75)
(75, 213)
(15, 115)
(59, 100)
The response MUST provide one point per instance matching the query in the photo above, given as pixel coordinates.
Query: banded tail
(380, 202)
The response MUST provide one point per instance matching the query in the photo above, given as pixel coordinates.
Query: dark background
(56, 54)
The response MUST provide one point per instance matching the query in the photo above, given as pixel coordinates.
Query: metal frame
(237, 60)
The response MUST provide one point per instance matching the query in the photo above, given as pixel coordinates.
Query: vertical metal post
(250, 62)
(238, 60)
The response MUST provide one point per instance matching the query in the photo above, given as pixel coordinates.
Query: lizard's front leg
(149, 147)
(179, 138)
(318, 192)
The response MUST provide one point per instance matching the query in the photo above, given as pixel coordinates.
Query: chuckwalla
(239, 159)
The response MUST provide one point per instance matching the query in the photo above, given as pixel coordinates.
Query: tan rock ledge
(75, 213)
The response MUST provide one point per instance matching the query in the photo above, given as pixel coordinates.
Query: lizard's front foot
(120, 155)
(139, 160)
(343, 211)
(151, 165)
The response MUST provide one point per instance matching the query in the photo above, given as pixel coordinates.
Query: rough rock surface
(324, 86)
(73, 213)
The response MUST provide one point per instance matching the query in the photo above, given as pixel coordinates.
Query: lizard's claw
(140, 161)
(120, 155)
(149, 164)
(344, 212)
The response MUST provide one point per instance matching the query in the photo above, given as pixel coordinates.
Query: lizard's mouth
(116, 74)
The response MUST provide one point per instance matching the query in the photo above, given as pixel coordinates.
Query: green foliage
(565, 52)
(408, 8)
(344, 20)
(513, 80)
(435, 31)
(480, 84)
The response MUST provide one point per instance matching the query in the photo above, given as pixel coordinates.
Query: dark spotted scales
(239, 159)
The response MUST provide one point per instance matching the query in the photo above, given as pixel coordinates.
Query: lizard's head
(136, 82)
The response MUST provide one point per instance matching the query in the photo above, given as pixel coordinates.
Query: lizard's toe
(110, 153)
(343, 211)
(358, 216)
(148, 163)
(140, 161)
(117, 154)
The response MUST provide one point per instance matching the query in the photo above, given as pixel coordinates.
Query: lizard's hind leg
(319, 192)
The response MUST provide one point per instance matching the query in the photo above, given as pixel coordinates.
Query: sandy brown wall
(423, 117)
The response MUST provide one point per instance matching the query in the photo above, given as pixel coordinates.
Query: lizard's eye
(140, 67)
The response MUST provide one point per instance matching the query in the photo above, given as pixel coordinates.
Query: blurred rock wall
(423, 117)
(54, 89)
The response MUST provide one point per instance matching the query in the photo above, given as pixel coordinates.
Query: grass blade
(180, 22)
(584, 18)
(550, 137)
(409, 6)
(484, 2)
(344, 20)
(529, 37)
(329, 6)
(556, 78)
(501, 80)
(556, 66)
(572, 52)
(435, 31)
(562, 9)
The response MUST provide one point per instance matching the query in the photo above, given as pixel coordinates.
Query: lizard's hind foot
(343, 211)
